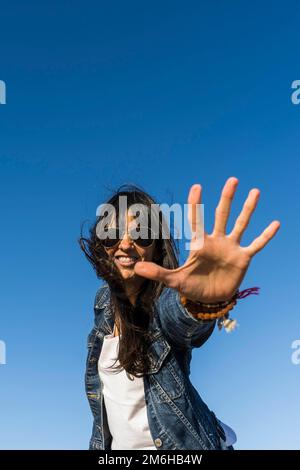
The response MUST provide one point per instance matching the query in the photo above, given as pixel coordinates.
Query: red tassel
(244, 293)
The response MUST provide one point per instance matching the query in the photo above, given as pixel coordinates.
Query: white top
(125, 403)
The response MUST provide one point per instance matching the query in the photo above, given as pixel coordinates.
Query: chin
(127, 273)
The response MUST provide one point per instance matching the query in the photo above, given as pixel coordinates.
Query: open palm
(215, 269)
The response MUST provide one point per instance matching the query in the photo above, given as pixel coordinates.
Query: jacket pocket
(165, 377)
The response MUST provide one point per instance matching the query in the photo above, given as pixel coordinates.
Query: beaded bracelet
(219, 310)
(208, 311)
(213, 316)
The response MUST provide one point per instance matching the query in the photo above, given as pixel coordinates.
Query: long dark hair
(134, 319)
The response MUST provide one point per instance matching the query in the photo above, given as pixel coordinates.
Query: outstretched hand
(214, 272)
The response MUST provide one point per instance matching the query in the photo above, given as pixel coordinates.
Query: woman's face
(126, 253)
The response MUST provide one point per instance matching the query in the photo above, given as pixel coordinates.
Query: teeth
(126, 258)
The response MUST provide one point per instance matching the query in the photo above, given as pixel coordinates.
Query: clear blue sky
(162, 94)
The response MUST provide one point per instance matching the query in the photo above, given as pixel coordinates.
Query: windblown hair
(134, 320)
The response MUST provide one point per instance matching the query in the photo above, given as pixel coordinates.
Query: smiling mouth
(126, 261)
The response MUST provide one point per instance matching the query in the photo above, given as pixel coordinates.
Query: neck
(132, 290)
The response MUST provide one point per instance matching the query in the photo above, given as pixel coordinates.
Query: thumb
(153, 271)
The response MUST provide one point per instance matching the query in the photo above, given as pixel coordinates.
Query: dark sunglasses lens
(112, 238)
(143, 243)
(110, 242)
(145, 239)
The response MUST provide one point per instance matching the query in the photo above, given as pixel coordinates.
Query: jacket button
(158, 442)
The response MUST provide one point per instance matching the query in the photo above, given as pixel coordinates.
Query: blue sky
(162, 94)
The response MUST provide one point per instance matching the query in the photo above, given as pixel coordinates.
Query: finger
(244, 218)
(155, 272)
(195, 217)
(194, 198)
(223, 208)
(260, 242)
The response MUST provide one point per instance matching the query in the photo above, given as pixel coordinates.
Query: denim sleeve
(101, 301)
(182, 329)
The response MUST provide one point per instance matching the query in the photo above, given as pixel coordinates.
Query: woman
(150, 314)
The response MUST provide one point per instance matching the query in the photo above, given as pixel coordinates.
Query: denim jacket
(178, 418)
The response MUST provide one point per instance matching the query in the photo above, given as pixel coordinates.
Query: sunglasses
(143, 237)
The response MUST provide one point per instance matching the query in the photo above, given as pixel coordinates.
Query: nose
(125, 242)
